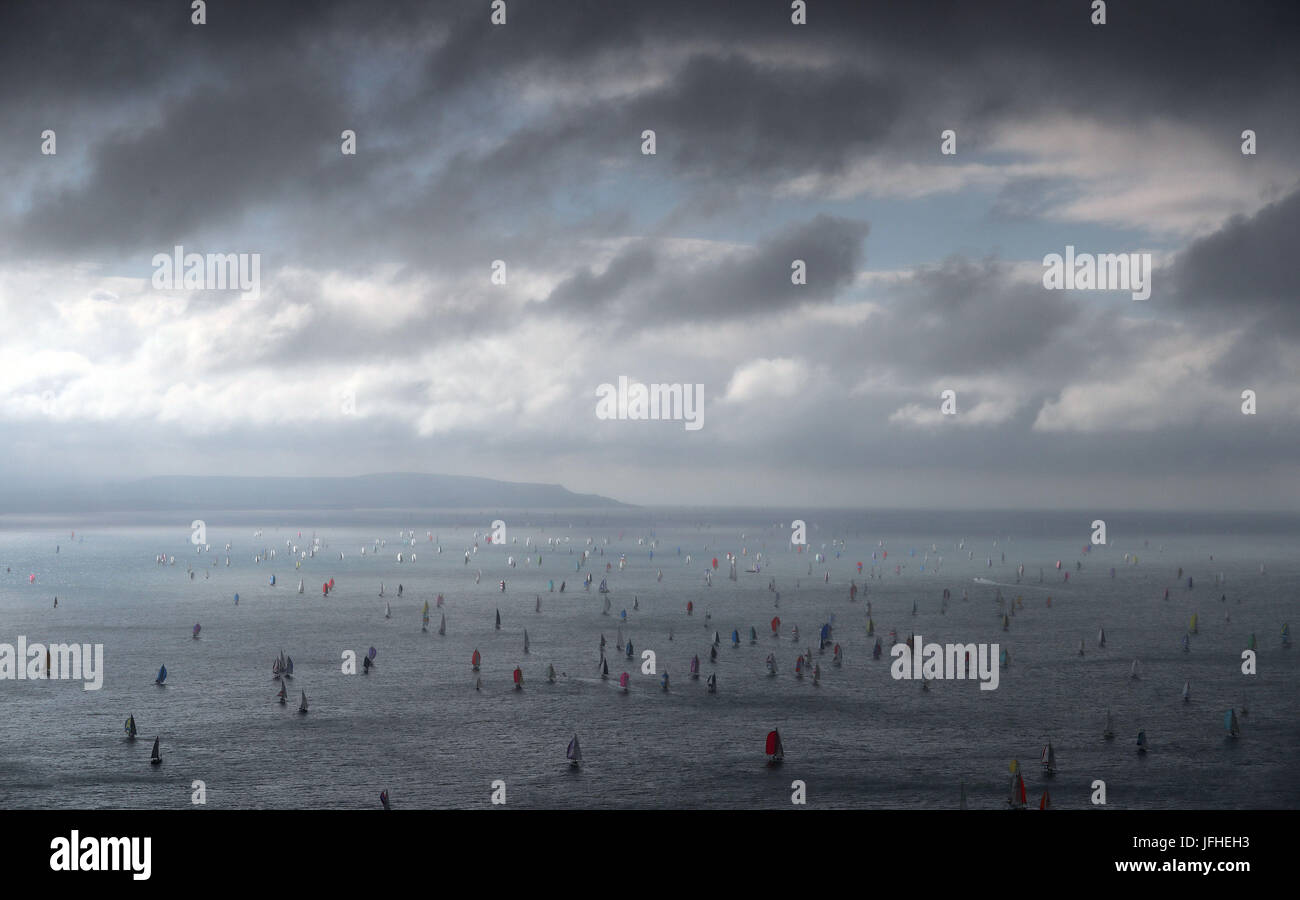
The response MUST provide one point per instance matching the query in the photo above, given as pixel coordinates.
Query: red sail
(773, 741)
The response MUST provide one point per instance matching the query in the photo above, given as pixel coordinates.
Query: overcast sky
(378, 341)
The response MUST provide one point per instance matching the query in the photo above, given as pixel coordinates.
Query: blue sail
(162, 675)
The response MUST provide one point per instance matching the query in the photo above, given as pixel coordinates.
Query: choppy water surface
(418, 728)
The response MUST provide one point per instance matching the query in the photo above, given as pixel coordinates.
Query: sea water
(417, 727)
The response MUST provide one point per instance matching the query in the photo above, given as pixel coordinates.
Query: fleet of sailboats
(282, 668)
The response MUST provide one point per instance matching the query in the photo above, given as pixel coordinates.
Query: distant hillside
(395, 491)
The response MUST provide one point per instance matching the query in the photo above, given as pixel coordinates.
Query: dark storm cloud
(1246, 268)
(264, 89)
(215, 155)
(641, 283)
(1242, 279)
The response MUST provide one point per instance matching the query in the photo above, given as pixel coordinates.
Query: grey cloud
(640, 282)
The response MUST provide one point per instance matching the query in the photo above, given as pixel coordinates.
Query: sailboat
(1109, 733)
(1017, 798)
(1046, 801)
(771, 664)
(1191, 626)
(525, 640)
(1049, 759)
(424, 617)
(713, 653)
(550, 673)
(300, 585)
(1187, 691)
(817, 674)
(837, 659)
(302, 704)
(284, 693)
(753, 635)
(574, 754)
(1101, 637)
(623, 682)
(539, 603)
(717, 639)
(162, 675)
(288, 667)
(875, 651)
(798, 667)
(388, 610)
(155, 758)
(1005, 658)
(1187, 644)
(498, 620)
(712, 683)
(519, 679)
(775, 749)
(629, 649)
(130, 727)
(442, 625)
(475, 660)
(735, 638)
(1142, 741)
(1230, 723)
(695, 667)
(197, 629)
(604, 588)
(1006, 622)
(1133, 672)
